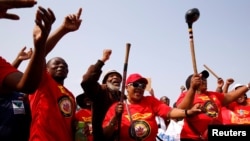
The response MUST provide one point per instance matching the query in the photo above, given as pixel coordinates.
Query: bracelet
(186, 113)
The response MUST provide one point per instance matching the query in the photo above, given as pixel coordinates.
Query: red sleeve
(6, 68)
(159, 108)
(83, 115)
(79, 114)
(181, 97)
(232, 105)
(109, 115)
(220, 96)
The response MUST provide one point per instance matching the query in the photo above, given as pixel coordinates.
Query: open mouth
(60, 72)
(116, 83)
(138, 92)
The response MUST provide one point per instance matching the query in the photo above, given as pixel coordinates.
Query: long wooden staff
(125, 68)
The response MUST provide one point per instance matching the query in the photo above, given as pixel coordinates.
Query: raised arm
(28, 81)
(21, 56)
(90, 79)
(228, 83)
(151, 92)
(220, 83)
(187, 102)
(71, 23)
(233, 95)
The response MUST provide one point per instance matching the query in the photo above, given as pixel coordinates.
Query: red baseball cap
(136, 77)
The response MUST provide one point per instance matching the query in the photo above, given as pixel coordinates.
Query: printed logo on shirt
(65, 106)
(238, 119)
(242, 112)
(210, 109)
(139, 116)
(87, 119)
(139, 130)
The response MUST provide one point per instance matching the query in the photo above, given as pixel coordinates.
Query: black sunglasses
(138, 85)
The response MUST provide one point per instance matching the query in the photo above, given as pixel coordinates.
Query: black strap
(159, 123)
(158, 138)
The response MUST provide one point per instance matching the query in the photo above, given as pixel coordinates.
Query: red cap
(136, 77)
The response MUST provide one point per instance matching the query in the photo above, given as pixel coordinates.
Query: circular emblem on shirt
(211, 109)
(65, 106)
(139, 130)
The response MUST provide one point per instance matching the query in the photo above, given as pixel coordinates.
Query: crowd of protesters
(36, 106)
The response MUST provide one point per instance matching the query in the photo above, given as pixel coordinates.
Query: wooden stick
(211, 71)
(191, 41)
(124, 76)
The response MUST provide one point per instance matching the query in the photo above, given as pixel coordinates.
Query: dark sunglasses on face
(138, 85)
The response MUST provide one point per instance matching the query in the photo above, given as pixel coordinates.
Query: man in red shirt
(53, 105)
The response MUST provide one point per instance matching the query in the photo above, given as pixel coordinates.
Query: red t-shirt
(240, 113)
(143, 114)
(6, 68)
(85, 116)
(226, 115)
(211, 102)
(52, 109)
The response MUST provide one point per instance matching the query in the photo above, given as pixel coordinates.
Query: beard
(113, 87)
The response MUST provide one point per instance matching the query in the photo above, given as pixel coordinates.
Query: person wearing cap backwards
(84, 114)
(102, 95)
(211, 103)
(138, 118)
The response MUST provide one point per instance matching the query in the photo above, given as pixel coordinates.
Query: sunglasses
(138, 85)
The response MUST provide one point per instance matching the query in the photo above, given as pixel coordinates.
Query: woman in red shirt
(138, 118)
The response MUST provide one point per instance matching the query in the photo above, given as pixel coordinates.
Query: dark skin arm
(44, 20)
(187, 102)
(112, 127)
(220, 83)
(22, 55)
(71, 23)
(176, 113)
(28, 81)
(90, 79)
(233, 95)
(228, 83)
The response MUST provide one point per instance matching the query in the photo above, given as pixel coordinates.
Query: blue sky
(158, 35)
